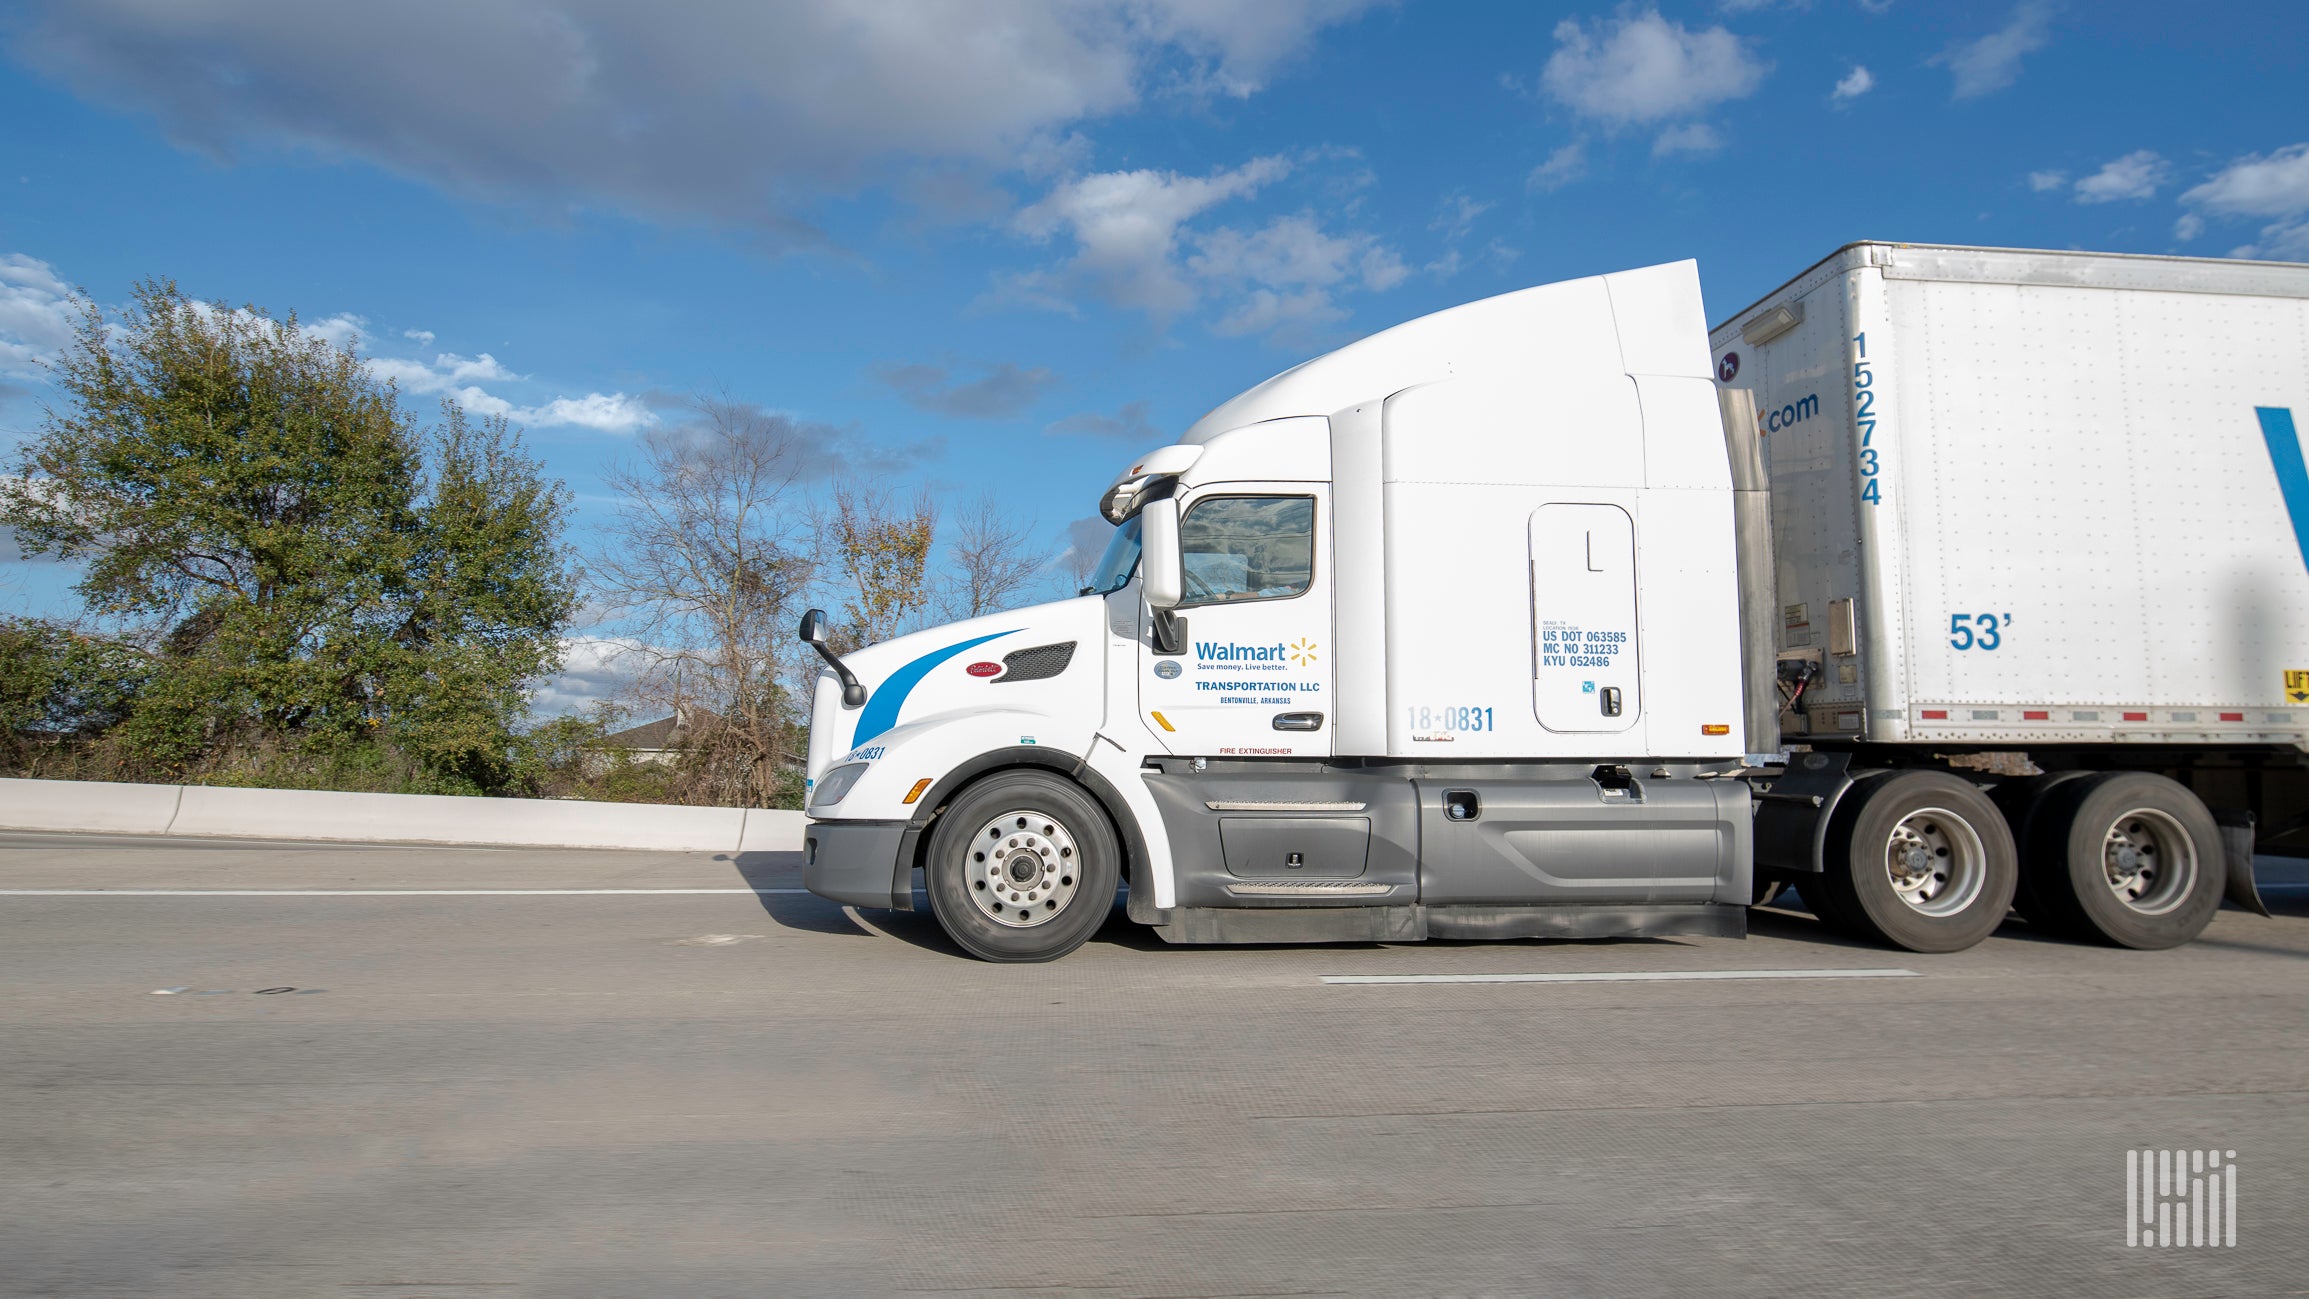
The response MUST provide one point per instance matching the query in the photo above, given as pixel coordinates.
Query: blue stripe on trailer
(881, 711)
(2292, 476)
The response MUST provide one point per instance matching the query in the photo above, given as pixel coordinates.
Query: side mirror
(1161, 572)
(813, 634)
(1161, 568)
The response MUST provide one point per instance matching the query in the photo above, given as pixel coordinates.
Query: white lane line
(359, 893)
(1622, 976)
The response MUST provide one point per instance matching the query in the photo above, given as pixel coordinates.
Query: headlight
(836, 783)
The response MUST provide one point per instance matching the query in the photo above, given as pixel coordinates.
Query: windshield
(1119, 562)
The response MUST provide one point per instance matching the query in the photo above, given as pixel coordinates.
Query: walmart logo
(1303, 652)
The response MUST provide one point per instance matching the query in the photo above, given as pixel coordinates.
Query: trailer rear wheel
(1022, 866)
(2021, 801)
(1921, 860)
(2128, 858)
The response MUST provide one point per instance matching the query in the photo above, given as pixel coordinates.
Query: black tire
(1815, 899)
(1947, 844)
(2020, 801)
(2077, 869)
(1065, 853)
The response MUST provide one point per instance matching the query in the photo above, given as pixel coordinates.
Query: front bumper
(862, 863)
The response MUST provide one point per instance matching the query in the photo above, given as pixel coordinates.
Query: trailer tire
(1920, 860)
(2128, 858)
(1022, 866)
(2020, 801)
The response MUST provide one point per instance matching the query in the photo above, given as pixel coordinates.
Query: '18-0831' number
(1449, 719)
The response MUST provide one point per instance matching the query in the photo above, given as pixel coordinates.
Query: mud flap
(2237, 847)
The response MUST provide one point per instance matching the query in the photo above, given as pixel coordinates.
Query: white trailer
(1495, 624)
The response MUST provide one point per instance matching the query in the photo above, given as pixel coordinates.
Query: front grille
(1037, 663)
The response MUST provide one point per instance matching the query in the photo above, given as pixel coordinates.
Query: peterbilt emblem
(984, 669)
(1167, 669)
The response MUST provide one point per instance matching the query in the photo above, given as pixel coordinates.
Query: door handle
(1298, 721)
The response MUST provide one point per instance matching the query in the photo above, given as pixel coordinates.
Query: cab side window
(1237, 548)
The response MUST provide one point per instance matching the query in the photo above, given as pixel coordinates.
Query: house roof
(649, 735)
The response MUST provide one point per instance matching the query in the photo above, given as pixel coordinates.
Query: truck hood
(930, 672)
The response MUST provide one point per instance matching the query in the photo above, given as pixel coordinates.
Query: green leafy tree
(305, 568)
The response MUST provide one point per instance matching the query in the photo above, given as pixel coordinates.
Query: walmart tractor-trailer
(1940, 582)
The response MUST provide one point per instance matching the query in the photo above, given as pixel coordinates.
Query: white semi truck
(1941, 581)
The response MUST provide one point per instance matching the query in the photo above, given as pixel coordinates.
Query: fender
(911, 846)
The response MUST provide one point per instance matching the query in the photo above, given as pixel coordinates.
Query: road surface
(583, 1074)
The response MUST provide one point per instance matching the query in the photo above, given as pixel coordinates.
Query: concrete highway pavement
(752, 1092)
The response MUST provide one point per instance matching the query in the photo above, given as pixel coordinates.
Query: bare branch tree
(707, 574)
(883, 548)
(995, 563)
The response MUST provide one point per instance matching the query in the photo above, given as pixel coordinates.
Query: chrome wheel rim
(1935, 862)
(2148, 861)
(1022, 868)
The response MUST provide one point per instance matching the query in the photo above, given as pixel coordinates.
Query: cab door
(1583, 600)
(1252, 673)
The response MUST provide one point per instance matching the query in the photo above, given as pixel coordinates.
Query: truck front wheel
(1918, 859)
(2128, 858)
(1023, 866)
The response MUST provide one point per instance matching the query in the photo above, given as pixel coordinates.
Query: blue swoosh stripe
(882, 707)
(2292, 477)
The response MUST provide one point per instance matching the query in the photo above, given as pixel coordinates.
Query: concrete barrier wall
(87, 806)
(98, 807)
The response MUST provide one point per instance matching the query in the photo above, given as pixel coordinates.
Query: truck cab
(1436, 635)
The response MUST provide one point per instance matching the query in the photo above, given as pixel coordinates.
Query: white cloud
(1129, 229)
(2136, 175)
(340, 330)
(2044, 182)
(2286, 241)
(460, 378)
(1292, 251)
(1639, 68)
(1457, 215)
(36, 314)
(1288, 271)
(690, 110)
(2276, 186)
(37, 320)
(1859, 81)
(2254, 186)
(1992, 62)
(421, 337)
(594, 670)
(1562, 167)
(1125, 225)
(1691, 137)
(2188, 227)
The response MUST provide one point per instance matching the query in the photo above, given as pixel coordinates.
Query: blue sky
(995, 246)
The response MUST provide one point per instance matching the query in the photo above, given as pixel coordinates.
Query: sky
(995, 247)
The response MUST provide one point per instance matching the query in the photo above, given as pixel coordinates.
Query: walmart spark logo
(1303, 651)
